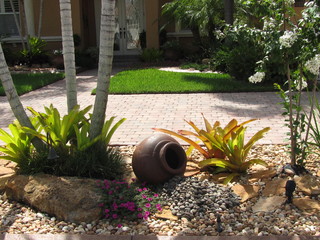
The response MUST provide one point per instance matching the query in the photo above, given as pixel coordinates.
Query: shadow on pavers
(142, 237)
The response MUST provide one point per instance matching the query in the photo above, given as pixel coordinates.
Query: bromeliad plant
(226, 150)
(76, 154)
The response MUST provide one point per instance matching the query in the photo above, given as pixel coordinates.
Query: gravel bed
(196, 203)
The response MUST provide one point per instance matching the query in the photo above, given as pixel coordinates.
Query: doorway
(130, 25)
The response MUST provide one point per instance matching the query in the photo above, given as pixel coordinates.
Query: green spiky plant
(225, 147)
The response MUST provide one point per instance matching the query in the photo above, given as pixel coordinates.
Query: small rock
(166, 214)
(246, 191)
(307, 205)
(308, 184)
(268, 204)
(289, 170)
(275, 187)
(40, 215)
(255, 177)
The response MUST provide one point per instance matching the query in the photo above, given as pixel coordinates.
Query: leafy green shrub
(75, 154)
(125, 202)
(88, 58)
(240, 53)
(10, 56)
(36, 53)
(151, 55)
(315, 126)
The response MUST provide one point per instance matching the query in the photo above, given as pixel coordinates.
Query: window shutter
(7, 6)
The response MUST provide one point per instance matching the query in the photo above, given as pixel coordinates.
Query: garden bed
(284, 219)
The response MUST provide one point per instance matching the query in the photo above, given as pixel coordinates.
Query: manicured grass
(27, 82)
(157, 81)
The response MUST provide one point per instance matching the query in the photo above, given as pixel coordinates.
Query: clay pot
(158, 158)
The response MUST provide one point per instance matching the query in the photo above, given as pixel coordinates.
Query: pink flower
(110, 192)
(140, 215)
(149, 199)
(119, 225)
(106, 210)
(156, 195)
(148, 205)
(158, 206)
(139, 209)
(146, 215)
(139, 190)
(115, 206)
(114, 216)
(145, 189)
(143, 196)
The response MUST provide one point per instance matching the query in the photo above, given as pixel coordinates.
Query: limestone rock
(219, 178)
(268, 204)
(68, 198)
(166, 214)
(255, 177)
(246, 192)
(6, 171)
(307, 205)
(4, 179)
(274, 187)
(308, 184)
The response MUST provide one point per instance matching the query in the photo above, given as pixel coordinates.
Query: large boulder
(68, 198)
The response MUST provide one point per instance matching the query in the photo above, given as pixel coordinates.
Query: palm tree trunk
(17, 24)
(14, 100)
(40, 18)
(68, 53)
(107, 30)
(24, 20)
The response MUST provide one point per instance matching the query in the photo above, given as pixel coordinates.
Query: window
(299, 3)
(8, 25)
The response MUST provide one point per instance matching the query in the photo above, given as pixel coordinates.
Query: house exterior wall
(83, 17)
(51, 23)
(152, 23)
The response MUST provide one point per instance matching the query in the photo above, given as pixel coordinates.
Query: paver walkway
(145, 111)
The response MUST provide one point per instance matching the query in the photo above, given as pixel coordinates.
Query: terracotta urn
(158, 158)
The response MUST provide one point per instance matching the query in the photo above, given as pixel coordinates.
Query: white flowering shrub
(296, 47)
(313, 65)
(288, 39)
(257, 77)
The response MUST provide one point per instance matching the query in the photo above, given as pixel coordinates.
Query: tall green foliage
(70, 150)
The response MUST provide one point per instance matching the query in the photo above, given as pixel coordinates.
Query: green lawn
(30, 81)
(157, 81)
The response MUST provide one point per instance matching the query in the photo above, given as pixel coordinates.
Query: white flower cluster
(313, 65)
(269, 24)
(257, 77)
(303, 85)
(290, 2)
(288, 39)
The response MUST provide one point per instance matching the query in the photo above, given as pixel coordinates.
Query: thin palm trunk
(24, 20)
(14, 100)
(17, 24)
(107, 30)
(40, 18)
(68, 53)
